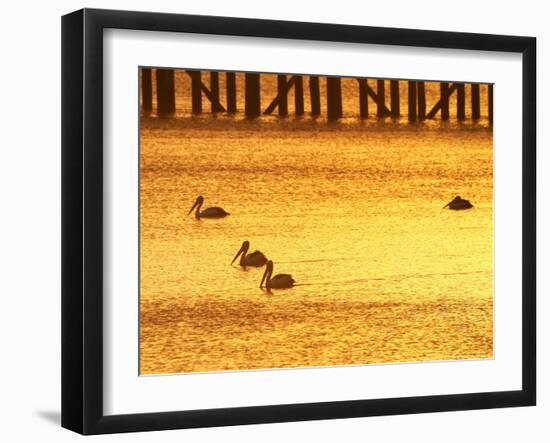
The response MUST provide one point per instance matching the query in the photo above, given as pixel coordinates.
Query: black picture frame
(82, 215)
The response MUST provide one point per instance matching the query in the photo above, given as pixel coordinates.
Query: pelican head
(243, 250)
(457, 198)
(198, 203)
(267, 274)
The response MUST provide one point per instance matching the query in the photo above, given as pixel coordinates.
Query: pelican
(458, 203)
(280, 281)
(256, 259)
(213, 212)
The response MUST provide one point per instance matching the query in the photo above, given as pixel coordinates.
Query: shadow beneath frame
(53, 417)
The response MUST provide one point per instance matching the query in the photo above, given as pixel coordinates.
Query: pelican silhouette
(256, 259)
(213, 212)
(458, 203)
(280, 281)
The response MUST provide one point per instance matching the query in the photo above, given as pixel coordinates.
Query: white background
(30, 221)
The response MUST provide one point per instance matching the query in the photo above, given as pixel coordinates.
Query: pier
(378, 98)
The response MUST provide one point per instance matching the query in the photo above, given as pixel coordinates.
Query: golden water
(352, 210)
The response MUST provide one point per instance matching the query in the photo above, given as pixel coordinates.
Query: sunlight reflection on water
(354, 213)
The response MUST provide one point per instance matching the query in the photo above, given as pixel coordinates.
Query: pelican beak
(446, 205)
(193, 207)
(237, 255)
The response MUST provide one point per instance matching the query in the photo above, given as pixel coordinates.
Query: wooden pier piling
(146, 90)
(415, 100)
(196, 94)
(215, 90)
(475, 102)
(379, 97)
(444, 100)
(284, 85)
(334, 98)
(252, 104)
(282, 95)
(421, 94)
(299, 95)
(231, 92)
(315, 96)
(460, 102)
(394, 95)
(363, 98)
(198, 88)
(166, 99)
(381, 92)
(412, 100)
(442, 105)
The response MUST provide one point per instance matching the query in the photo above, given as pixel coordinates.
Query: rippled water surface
(352, 210)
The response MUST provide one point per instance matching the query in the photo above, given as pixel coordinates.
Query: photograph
(299, 220)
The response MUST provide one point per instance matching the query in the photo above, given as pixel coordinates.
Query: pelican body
(255, 259)
(458, 203)
(213, 212)
(279, 281)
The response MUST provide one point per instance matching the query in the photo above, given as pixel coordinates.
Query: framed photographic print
(270, 221)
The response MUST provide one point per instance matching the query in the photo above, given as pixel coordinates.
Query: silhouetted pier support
(215, 90)
(443, 104)
(284, 85)
(166, 98)
(363, 98)
(444, 100)
(196, 94)
(198, 88)
(299, 95)
(315, 96)
(421, 93)
(475, 102)
(252, 104)
(146, 90)
(381, 93)
(490, 103)
(460, 102)
(231, 92)
(365, 91)
(334, 98)
(413, 91)
(394, 95)
(414, 100)
(282, 95)
(380, 98)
